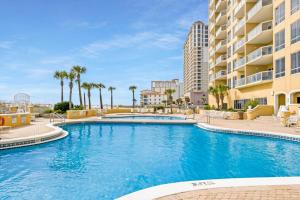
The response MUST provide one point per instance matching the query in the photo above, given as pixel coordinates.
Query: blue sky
(121, 42)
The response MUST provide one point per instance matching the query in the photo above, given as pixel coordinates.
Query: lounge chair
(292, 120)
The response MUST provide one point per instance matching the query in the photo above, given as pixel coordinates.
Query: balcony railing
(264, 26)
(220, 44)
(239, 63)
(267, 50)
(240, 24)
(221, 14)
(219, 3)
(220, 74)
(241, 82)
(220, 59)
(222, 28)
(260, 76)
(239, 6)
(212, 52)
(257, 7)
(239, 44)
(211, 14)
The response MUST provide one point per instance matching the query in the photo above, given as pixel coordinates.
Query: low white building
(150, 98)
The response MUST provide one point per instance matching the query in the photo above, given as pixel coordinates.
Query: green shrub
(252, 103)
(207, 107)
(213, 107)
(48, 111)
(77, 107)
(62, 107)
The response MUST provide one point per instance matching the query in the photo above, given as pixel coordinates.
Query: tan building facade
(196, 63)
(255, 51)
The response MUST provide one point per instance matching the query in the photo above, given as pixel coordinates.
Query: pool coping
(56, 134)
(267, 134)
(180, 187)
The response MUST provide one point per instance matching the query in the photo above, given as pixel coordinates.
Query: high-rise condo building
(196, 63)
(254, 49)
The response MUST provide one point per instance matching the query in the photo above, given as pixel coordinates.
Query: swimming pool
(105, 161)
(144, 117)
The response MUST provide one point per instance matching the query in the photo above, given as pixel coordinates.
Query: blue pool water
(105, 161)
(147, 117)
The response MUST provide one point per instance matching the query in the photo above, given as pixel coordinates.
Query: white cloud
(6, 44)
(140, 39)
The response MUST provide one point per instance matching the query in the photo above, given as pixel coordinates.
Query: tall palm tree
(100, 86)
(61, 75)
(78, 70)
(84, 101)
(215, 92)
(71, 77)
(169, 93)
(222, 89)
(111, 89)
(88, 87)
(133, 88)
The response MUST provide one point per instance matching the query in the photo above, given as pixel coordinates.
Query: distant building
(196, 64)
(156, 95)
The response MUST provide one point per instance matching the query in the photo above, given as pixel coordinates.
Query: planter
(241, 114)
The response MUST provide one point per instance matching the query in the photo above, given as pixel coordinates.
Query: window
(229, 68)
(280, 67)
(295, 63)
(279, 13)
(295, 6)
(279, 40)
(239, 104)
(229, 83)
(295, 32)
(262, 101)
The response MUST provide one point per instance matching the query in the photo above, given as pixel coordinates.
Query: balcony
(221, 47)
(255, 79)
(261, 56)
(239, 64)
(221, 61)
(239, 27)
(239, 11)
(238, 46)
(261, 34)
(212, 52)
(221, 75)
(240, 82)
(221, 18)
(221, 32)
(221, 5)
(211, 3)
(212, 14)
(211, 26)
(261, 11)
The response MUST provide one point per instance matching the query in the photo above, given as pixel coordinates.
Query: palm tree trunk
(79, 90)
(100, 98)
(70, 97)
(111, 100)
(84, 99)
(89, 97)
(62, 91)
(133, 99)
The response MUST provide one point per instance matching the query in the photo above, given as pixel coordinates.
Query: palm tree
(215, 92)
(84, 101)
(71, 77)
(61, 75)
(88, 87)
(100, 86)
(222, 89)
(78, 70)
(111, 89)
(169, 93)
(133, 88)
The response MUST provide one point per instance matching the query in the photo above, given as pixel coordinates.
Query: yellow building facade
(255, 51)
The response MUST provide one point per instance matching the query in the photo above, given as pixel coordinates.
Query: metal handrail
(56, 115)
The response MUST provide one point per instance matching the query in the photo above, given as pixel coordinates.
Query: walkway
(283, 192)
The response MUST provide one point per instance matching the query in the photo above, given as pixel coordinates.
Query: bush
(78, 107)
(252, 103)
(61, 107)
(48, 111)
(207, 107)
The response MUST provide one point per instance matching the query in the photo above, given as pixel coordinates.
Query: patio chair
(292, 120)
